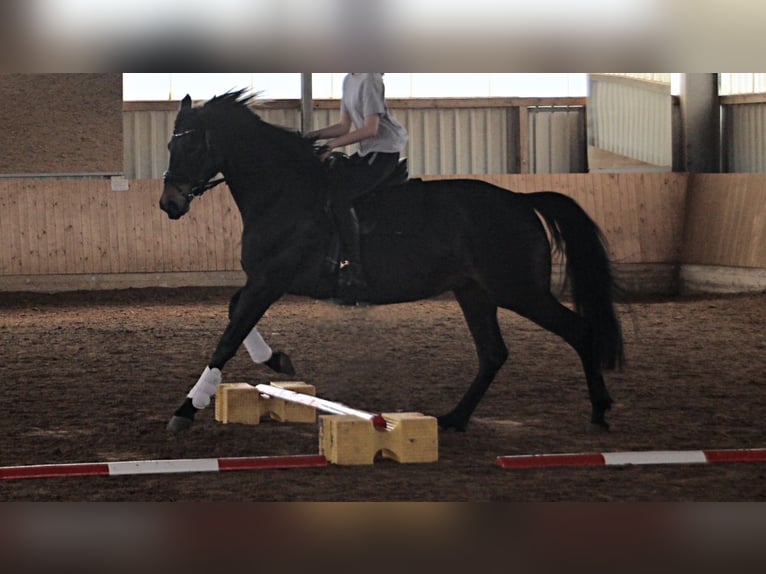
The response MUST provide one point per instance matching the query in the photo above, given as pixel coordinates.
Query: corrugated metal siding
(443, 140)
(557, 139)
(147, 132)
(288, 118)
(744, 137)
(739, 83)
(661, 78)
(146, 135)
(630, 120)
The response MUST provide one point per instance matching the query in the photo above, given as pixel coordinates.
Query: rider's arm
(368, 130)
(333, 131)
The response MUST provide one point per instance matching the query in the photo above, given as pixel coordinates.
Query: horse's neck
(261, 188)
(251, 193)
(261, 174)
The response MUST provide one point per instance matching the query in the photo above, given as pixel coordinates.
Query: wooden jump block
(244, 404)
(350, 440)
(286, 412)
(238, 403)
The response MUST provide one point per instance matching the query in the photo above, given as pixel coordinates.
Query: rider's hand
(322, 152)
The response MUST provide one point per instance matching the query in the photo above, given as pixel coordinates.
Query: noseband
(197, 188)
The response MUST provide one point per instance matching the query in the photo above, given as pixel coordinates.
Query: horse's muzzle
(174, 201)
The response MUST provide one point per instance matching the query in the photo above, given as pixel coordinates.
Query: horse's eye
(190, 145)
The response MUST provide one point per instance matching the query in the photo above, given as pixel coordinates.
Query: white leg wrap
(259, 349)
(205, 388)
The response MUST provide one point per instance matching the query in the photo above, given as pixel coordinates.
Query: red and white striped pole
(631, 458)
(378, 420)
(171, 466)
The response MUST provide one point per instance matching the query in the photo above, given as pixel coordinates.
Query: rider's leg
(348, 227)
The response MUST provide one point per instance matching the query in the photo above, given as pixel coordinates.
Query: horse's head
(192, 162)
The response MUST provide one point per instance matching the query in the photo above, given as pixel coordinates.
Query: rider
(381, 139)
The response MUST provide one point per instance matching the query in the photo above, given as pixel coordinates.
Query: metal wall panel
(147, 132)
(146, 136)
(744, 137)
(443, 140)
(478, 140)
(288, 118)
(447, 141)
(741, 83)
(631, 118)
(662, 78)
(557, 139)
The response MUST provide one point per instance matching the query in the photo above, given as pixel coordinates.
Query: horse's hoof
(281, 363)
(447, 423)
(598, 428)
(285, 364)
(179, 424)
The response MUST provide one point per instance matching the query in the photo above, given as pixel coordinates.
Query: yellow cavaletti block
(349, 440)
(242, 403)
(238, 403)
(285, 411)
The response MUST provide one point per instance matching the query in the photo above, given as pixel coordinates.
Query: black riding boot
(353, 286)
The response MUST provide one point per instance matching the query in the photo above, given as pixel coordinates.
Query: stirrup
(352, 275)
(352, 286)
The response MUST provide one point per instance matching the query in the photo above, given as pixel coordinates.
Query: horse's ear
(186, 102)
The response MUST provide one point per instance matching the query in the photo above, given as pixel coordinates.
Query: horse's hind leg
(551, 315)
(481, 316)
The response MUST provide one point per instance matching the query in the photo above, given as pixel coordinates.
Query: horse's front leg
(262, 354)
(259, 350)
(252, 303)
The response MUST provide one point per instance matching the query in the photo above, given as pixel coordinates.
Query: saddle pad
(398, 210)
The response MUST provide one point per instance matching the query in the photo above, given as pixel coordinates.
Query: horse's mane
(240, 103)
(240, 98)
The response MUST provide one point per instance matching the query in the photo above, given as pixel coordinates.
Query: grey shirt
(364, 95)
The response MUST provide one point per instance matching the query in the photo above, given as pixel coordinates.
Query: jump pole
(171, 466)
(631, 458)
(377, 420)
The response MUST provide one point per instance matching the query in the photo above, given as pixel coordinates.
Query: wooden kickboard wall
(80, 226)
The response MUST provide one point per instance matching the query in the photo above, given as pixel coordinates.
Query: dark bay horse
(485, 244)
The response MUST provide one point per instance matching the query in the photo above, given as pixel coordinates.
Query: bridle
(197, 188)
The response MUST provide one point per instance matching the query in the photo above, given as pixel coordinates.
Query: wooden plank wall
(68, 226)
(726, 220)
(641, 214)
(60, 227)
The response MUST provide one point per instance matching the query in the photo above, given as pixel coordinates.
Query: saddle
(373, 206)
(395, 207)
(400, 175)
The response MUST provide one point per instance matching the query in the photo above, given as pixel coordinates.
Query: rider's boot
(352, 284)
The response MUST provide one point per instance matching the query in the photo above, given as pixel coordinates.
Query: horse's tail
(588, 269)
